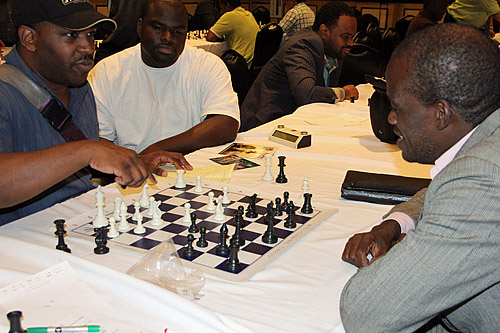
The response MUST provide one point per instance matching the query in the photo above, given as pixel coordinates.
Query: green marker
(64, 329)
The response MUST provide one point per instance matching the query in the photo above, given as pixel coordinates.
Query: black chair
(402, 25)
(240, 76)
(365, 20)
(267, 43)
(262, 15)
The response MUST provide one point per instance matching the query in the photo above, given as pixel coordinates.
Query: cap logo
(69, 2)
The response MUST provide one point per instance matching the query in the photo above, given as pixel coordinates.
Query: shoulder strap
(56, 115)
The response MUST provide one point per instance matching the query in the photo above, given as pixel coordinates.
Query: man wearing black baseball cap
(45, 149)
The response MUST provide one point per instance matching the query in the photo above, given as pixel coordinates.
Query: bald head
(456, 63)
(172, 3)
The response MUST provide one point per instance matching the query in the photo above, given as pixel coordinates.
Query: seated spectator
(161, 94)
(432, 12)
(39, 164)
(298, 16)
(477, 14)
(238, 27)
(304, 70)
(205, 15)
(444, 275)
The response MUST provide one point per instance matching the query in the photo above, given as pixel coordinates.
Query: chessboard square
(170, 217)
(256, 227)
(247, 257)
(130, 209)
(229, 211)
(217, 193)
(202, 215)
(160, 235)
(147, 232)
(175, 228)
(196, 204)
(187, 195)
(282, 233)
(197, 253)
(165, 207)
(177, 201)
(250, 235)
(261, 210)
(126, 238)
(222, 266)
(209, 259)
(247, 199)
(212, 236)
(208, 225)
(145, 243)
(204, 249)
(258, 249)
(161, 197)
(262, 220)
(301, 219)
(180, 240)
(213, 251)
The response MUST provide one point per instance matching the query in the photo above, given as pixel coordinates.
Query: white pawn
(156, 221)
(219, 211)
(180, 179)
(187, 215)
(123, 225)
(225, 198)
(137, 207)
(112, 233)
(211, 206)
(305, 186)
(268, 177)
(151, 208)
(139, 228)
(116, 211)
(144, 200)
(198, 188)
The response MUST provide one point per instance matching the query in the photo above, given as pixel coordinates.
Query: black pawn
(193, 228)
(289, 220)
(202, 241)
(233, 263)
(101, 240)
(307, 207)
(269, 237)
(237, 237)
(60, 233)
(281, 176)
(279, 210)
(189, 252)
(14, 318)
(222, 249)
(284, 205)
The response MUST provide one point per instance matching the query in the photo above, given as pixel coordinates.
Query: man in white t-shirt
(161, 94)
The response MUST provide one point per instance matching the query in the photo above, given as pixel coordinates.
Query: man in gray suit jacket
(445, 274)
(298, 73)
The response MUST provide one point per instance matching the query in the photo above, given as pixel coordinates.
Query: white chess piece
(156, 221)
(100, 220)
(137, 207)
(123, 211)
(151, 208)
(123, 225)
(211, 205)
(219, 211)
(113, 233)
(305, 186)
(187, 215)
(116, 211)
(225, 198)
(139, 228)
(268, 177)
(198, 188)
(180, 179)
(144, 200)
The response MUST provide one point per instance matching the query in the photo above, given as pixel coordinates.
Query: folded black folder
(380, 188)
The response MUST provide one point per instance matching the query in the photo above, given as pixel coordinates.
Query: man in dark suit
(445, 274)
(304, 69)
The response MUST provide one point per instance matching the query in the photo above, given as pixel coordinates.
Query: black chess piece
(193, 228)
(352, 99)
(307, 207)
(251, 209)
(279, 210)
(238, 237)
(290, 219)
(284, 205)
(222, 249)
(101, 240)
(269, 237)
(281, 176)
(189, 252)
(60, 233)
(14, 318)
(233, 263)
(202, 241)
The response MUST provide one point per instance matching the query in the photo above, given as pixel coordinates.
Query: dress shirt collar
(449, 155)
(331, 64)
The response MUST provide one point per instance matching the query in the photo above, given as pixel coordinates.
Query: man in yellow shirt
(238, 27)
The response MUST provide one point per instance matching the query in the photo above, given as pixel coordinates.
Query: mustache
(85, 57)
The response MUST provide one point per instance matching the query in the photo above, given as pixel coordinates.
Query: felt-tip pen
(64, 329)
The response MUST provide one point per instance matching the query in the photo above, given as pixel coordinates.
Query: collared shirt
(332, 64)
(442, 162)
(299, 17)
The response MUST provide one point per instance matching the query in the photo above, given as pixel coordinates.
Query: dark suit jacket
(449, 266)
(292, 78)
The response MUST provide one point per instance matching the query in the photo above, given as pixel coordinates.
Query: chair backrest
(262, 15)
(238, 68)
(365, 19)
(402, 25)
(267, 44)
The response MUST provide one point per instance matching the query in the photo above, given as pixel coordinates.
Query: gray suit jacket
(292, 78)
(450, 264)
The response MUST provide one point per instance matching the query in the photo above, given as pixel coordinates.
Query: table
(298, 292)
(197, 39)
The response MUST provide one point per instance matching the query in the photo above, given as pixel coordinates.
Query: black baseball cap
(74, 15)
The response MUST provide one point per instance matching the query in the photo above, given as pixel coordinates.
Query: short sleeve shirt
(474, 12)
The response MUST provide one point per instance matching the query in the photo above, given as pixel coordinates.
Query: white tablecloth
(214, 47)
(297, 292)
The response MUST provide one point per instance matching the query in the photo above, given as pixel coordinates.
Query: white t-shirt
(138, 105)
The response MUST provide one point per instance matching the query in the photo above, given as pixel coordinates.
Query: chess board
(253, 256)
